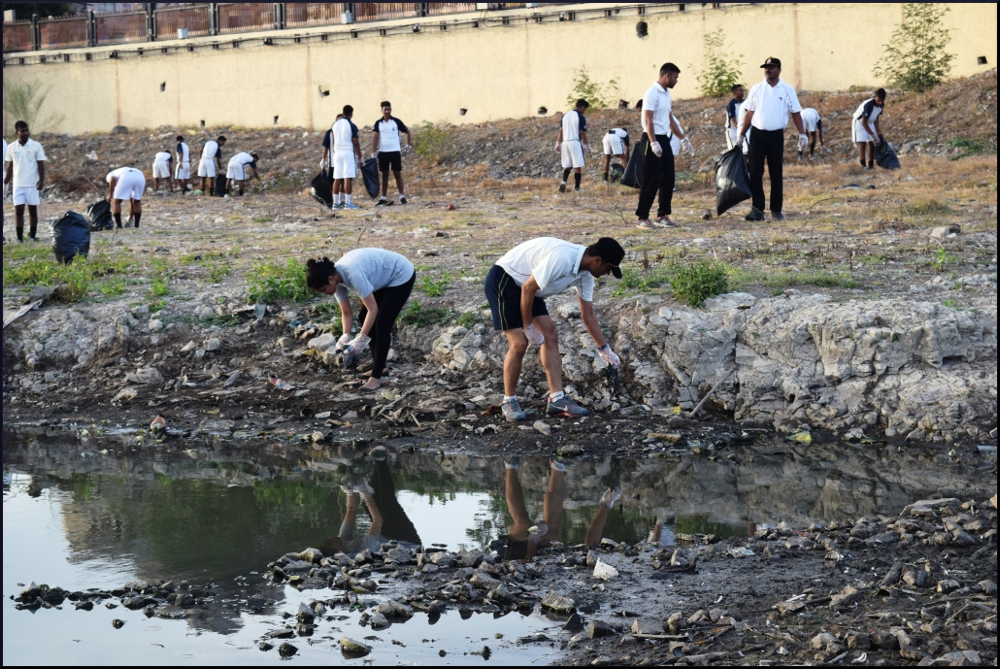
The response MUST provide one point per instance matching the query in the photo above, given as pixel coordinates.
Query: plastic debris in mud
(604, 572)
(282, 385)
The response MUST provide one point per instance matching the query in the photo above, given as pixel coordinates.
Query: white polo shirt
(25, 161)
(344, 133)
(810, 119)
(868, 110)
(657, 100)
(184, 153)
(771, 105)
(555, 264)
(573, 123)
(163, 157)
(389, 134)
(210, 151)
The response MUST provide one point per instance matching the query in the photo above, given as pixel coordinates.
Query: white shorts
(25, 195)
(236, 171)
(613, 145)
(732, 134)
(344, 166)
(860, 134)
(161, 170)
(572, 155)
(131, 186)
(183, 172)
(811, 123)
(206, 168)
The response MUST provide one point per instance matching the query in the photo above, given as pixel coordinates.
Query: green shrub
(721, 72)
(643, 281)
(270, 282)
(916, 59)
(435, 288)
(600, 96)
(434, 143)
(468, 320)
(419, 316)
(159, 289)
(693, 284)
(971, 147)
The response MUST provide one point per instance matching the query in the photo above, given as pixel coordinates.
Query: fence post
(150, 21)
(280, 15)
(91, 29)
(213, 18)
(36, 34)
(423, 9)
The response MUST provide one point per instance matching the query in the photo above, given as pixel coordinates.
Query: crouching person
(516, 288)
(383, 280)
(126, 183)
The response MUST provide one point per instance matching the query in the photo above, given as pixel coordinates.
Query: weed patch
(270, 282)
(435, 288)
(420, 316)
(693, 284)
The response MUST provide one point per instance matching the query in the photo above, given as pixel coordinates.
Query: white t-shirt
(210, 151)
(868, 110)
(810, 118)
(163, 158)
(555, 264)
(620, 134)
(573, 123)
(343, 135)
(119, 173)
(25, 161)
(4, 159)
(389, 134)
(366, 270)
(657, 100)
(184, 153)
(771, 105)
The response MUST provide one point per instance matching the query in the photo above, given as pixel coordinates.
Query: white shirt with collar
(657, 100)
(771, 105)
(25, 161)
(555, 264)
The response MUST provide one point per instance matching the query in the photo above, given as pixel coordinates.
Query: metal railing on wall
(245, 17)
(120, 28)
(17, 36)
(302, 14)
(194, 19)
(62, 32)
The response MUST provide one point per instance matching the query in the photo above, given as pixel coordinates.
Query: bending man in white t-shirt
(126, 183)
(182, 165)
(238, 171)
(161, 170)
(615, 144)
(515, 289)
(25, 165)
(211, 164)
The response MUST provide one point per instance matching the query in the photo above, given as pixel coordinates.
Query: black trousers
(396, 525)
(390, 303)
(767, 146)
(658, 176)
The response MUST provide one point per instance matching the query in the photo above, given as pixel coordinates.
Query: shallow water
(102, 513)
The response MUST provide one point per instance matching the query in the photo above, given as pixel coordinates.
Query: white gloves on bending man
(608, 356)
(534, 336)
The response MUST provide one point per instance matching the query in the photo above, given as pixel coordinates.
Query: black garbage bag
(99, 217)
(70, 237)
(369, 172)
(220, 187)
(633, 172)
(617, 172)
(322, 189)
(732, 180)
(885, 156)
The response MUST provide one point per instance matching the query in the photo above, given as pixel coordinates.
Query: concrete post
(36, 34)
(150, 8)
(91, 29)
(213, 18)
(280, 15)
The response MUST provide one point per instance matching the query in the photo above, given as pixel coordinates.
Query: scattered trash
(741, 553)
(159, 424)
(801, 438)
(281, 385)
(542, 428)
(604, 572)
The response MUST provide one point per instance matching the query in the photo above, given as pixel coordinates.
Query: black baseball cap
(776, 62)
(610, 252)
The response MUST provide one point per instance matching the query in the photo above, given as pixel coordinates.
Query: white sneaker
(350, 207)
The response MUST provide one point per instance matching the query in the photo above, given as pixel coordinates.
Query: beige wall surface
(493, 72)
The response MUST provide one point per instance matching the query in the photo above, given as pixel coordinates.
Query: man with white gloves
(867, 128)
(573, 145)
(659, 129)
(162, 169)
(516, 288)
(767, 109)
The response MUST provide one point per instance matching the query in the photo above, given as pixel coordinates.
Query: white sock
(347, 198)
(512, 398)
(555, 397)
(336, 198)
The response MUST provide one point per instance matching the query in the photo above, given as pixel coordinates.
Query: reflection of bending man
(522, 543)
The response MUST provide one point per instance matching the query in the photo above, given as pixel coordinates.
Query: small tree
(721, 71)
(916, 59)
(23, 102)
(600, 96)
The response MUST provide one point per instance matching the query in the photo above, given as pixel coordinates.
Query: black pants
(390, 303)
(658, 176)
(769, 146)
(396, 525)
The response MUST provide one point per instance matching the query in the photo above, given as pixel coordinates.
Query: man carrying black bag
(658, 159)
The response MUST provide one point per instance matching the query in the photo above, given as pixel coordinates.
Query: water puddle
(89, 514)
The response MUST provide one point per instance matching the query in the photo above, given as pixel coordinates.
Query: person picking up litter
(126, 183)
(868, 126)
(615, 144)
(814, 128)
(516, 288)
(211, 164)
(572, 144)
(236, 171)
(161, 170)
(384, 281)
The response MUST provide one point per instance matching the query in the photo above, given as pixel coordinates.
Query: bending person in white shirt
(516, 288)
(867, 127)
(162, 162)
(126, 183)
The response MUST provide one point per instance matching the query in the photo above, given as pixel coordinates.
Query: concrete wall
(493, 72)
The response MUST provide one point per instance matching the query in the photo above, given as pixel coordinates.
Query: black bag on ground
(633, 172)
(70, 237)
(617, 172)
(732, 180)
(885, 156)
(322, 189)
(220, 187)
(99, 217)
(369, 172)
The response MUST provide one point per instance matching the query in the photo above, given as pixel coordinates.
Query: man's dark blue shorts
(504, 296)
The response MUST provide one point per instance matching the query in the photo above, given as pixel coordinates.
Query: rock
(311, 555)
(444, 560)
(945, 232)
(542, 428)
(558, 604)
(323, 342)
(574, 624)
(827, 643)
(647, 627)
(212, 345)
(119, 130)
(605, 572)
(147, 376)
(675, 623)
(400, 556)
(353, 649)
(599, 630)
(484, 582)
(287, 650)
(847, 598)
(948, 587)
(968, 658)
(265, 647)
(31, 592)
(470, 559)
(379, 622)
(988, 588)
(570, 451)
(155, 325)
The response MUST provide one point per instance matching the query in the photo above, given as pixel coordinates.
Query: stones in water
(353, 649)
(287, 650)
(558, 604)
(118, 624)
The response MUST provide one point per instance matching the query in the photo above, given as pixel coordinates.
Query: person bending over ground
(387, 145)
(813, 123)
(236, 171)
(522, 543)
(182, 165)
(161, 170)
(867, 127)
(615, 144)
(346, 158)
(384, 281)
(515, 289)
(573, 145)
(24, 164)
(126, 183)
(211, 164)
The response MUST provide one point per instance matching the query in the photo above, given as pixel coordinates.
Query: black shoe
(777, 216)
(562, 188)
(402, 200)
(755, 216)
